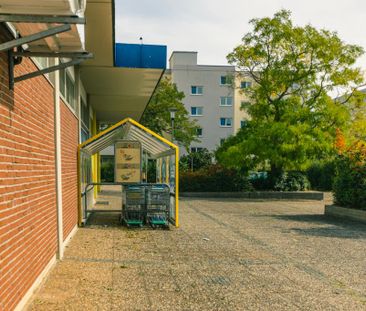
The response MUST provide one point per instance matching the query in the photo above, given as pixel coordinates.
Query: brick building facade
(28, 218)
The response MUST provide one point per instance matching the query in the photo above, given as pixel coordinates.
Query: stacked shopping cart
(158, 205)
(146, 204)
(133, 209)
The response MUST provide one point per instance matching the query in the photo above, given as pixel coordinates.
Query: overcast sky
(213, 28)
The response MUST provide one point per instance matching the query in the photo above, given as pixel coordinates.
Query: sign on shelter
(127, 162)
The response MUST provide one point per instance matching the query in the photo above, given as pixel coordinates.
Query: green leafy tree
(157, 116)
(293, 120)
(196, 160)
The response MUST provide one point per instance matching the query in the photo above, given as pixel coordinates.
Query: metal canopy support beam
(84, 55)
(48, 70)
(37, 36)
(23, 18)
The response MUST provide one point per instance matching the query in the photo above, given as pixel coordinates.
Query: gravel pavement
(227, 255)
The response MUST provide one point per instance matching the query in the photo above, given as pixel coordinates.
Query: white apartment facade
(210, 98)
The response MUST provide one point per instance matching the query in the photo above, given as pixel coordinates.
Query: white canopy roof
(129, 129)
(68, 41)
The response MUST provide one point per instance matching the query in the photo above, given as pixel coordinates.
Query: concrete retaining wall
(343, 212)
(295, 195)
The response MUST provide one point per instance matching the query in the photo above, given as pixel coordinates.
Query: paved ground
(227, 255)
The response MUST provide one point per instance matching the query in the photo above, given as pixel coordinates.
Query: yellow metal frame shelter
(128, 129)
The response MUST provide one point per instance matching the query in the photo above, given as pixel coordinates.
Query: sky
(213, 28)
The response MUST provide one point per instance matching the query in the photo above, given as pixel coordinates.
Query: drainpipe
(60, 235)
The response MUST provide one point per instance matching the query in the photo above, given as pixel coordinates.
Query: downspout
(60, 235)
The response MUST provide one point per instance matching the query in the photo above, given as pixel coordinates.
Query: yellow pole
(99, 170)
(177, 186)
(79, 188)
(95, 157)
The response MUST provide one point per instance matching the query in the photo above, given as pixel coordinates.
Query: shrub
(321, 175)
(260, 181)
(214, 178)
(292, 181)
(350, 182)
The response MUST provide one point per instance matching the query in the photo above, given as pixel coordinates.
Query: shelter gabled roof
(129, 129)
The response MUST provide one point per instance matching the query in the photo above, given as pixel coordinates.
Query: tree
(196, 160)
(157, 116)
(293, 120)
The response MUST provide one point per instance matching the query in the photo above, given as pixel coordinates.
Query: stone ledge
(286, 195)
(344, 212)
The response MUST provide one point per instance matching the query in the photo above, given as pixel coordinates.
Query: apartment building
(213, 97)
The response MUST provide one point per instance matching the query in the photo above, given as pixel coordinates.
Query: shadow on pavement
(327, 226)
(104, 219)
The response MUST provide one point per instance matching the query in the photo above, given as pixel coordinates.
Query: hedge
(321, 175)
(214, 179)
(350, 182)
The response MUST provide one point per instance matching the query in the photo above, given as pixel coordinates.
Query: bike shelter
(152, 146)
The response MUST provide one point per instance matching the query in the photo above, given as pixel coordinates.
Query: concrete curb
(344, 212)
(288, 195)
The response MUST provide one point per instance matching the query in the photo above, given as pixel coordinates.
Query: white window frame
(247, 83)
(200, 135)
(227, 77)
(226, 101)
(197, 88)
(231, 122)
(196, 115)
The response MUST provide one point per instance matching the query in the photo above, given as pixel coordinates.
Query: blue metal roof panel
(141, 56)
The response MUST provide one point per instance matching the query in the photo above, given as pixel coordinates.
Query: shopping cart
(158, 205)
(133, 207)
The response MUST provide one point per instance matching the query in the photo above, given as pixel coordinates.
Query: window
(226, 122)
(67, 88)
(199, 132)
(84, 135)
(196, 149)
(226, 101)
(63, 82)
(245, 84)
(196, 90)
(85, 115)
(70, 91)
(196, 111)
(243, 123)
(226, 80)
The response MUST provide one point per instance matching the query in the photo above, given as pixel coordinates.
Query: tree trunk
(274, 174)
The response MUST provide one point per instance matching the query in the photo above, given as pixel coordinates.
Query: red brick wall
(69, 143)
(28, 232)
